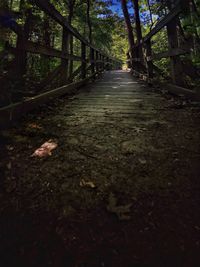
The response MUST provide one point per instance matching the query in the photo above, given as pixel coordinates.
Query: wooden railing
(92, 62)
(144, 64)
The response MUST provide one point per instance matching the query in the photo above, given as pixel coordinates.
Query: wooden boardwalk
(116, 96)
(125, 171)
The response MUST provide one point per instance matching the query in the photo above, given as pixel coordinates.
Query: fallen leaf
(121, 211)
(45, 149)
(90, 184)
(10, 148)
(9, 166)
(34, 126)
(142, 161)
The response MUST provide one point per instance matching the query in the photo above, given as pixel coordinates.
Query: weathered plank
(37, 48)
(15, 111)
(171, 53)
(178, 90)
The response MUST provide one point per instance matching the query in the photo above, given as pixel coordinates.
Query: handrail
(164, 21)
(145, 58)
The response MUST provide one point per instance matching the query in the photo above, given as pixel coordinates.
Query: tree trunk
(128, 23)
(138, 31)
(137, 20)
(47, 43)
(21, 54)
(129, 28)
(71, 44)
(89, 22)
(11, 4)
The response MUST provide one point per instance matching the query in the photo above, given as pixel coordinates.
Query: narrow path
(121, 188)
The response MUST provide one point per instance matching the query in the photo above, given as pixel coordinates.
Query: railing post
(114, 65)
(103, 67)
(83, 57)
(128, 60)
(176, 66)
(97, 64)
(102, 62)
(149, 63)
(92, 60)
(107, 66)
(65, 49)
(71, 65)
(100, 58)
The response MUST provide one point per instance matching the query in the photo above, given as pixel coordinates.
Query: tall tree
(67, 39)
(137, 20)
(138, 31)
(89, 21)
(129, 28)
(21, 54)
(128, 23)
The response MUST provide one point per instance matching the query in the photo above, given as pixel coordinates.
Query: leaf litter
(45, 149)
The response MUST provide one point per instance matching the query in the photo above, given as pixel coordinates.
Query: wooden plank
(149, 64)
(97, 61)
(13, 112)
(141, 76)
(83, 64)
(175, 62)
(163, 22)
(92, 60)
(170, 53)
(36, 48)
(75, 73)
(65, 62)
(178, 90)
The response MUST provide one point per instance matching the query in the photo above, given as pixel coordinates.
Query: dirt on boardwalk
(122, 187)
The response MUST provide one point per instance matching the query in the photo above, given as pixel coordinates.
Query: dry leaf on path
(121, 211)
(90, 184)
(45, 149)
(34, 126)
